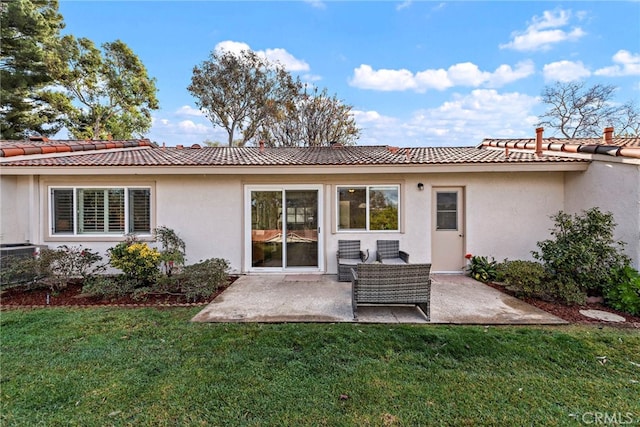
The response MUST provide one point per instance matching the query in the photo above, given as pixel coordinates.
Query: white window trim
(75, 188)
(367, 188)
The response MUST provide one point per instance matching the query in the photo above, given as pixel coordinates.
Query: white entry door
(447, 230)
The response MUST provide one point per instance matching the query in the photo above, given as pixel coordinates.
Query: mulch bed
(571, 313)
(72, 296)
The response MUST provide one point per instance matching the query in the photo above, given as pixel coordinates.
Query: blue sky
(417, 73)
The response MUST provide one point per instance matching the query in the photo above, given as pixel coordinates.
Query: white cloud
(626, 64)
(193, 128)
(462, 121)
(285, 58)
(185, 132)
(462, 74)
(565, 71)
(504, 74)
(288, 61)
(231, 46)
(386, 80)
(467, 74)
(432, 79)
(318, 4)
(405, 4)
(545, 31)
(188, 110)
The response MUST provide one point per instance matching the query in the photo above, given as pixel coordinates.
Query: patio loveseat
(390, 284)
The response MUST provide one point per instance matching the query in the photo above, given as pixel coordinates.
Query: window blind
(139, 210)
(62, 201)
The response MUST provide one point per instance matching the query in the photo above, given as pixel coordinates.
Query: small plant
(526, 278)
(138, 261)
(107, 287)
(198, 280)
(482, 269)
(623, 293)
(173, 249)
(76, 262)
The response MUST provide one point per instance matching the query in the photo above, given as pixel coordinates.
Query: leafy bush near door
(580, 259)
(482, 269)
(582, 254)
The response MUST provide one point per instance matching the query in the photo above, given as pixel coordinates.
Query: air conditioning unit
(20, 250)
(11, 253)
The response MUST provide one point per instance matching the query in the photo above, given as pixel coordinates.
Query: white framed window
(368, 208)
(100, 210)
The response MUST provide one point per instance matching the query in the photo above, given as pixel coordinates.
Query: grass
(97, 367)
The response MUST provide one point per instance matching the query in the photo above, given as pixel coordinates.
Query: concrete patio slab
(455, 299)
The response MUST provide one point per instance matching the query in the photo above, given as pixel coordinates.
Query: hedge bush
(582, 255)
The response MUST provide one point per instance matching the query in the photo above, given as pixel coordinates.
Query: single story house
(285, 209)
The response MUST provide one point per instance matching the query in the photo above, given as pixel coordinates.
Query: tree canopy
(110, 91)
(253, 98)
(580, 111)
(48, 82)
(28, 105)
(314, 120)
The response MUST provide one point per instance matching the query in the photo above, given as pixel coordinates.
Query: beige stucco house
(285, 209)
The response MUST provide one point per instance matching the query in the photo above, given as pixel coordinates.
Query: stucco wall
(206, 211)
(612, 187)
(505, 213)
(15, 209)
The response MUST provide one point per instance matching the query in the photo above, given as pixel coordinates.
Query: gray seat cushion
(393, 261)
(349, 261)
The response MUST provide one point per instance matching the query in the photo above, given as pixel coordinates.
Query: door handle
(460, 235)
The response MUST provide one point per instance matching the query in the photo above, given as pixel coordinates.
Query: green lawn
(101, 367)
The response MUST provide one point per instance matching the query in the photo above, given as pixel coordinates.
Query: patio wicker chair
(388, 252)
(349, 255)
(390, 285)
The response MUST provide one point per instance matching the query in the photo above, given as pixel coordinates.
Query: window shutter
(91, 210)
(139, 210)
(116, 210)
(62, 211)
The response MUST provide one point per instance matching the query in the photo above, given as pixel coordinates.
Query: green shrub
(139, 262)
(75, 262)
(525, 278)
(107, 287)
(198, 280)
(482, 269)
(53, 268)
(173, 249)
(582, 252)
(17, 271)
(623, 293)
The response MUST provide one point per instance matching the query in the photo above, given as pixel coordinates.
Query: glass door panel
(302, 228)
(266, 229)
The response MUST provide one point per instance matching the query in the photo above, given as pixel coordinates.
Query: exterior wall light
(420, 186)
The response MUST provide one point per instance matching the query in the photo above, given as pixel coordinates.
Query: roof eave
(547, 166)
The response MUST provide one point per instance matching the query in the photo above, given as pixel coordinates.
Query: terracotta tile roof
(616, 146)
(41, 145)
(254, 156)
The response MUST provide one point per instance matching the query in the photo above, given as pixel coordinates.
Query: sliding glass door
(284, 227)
